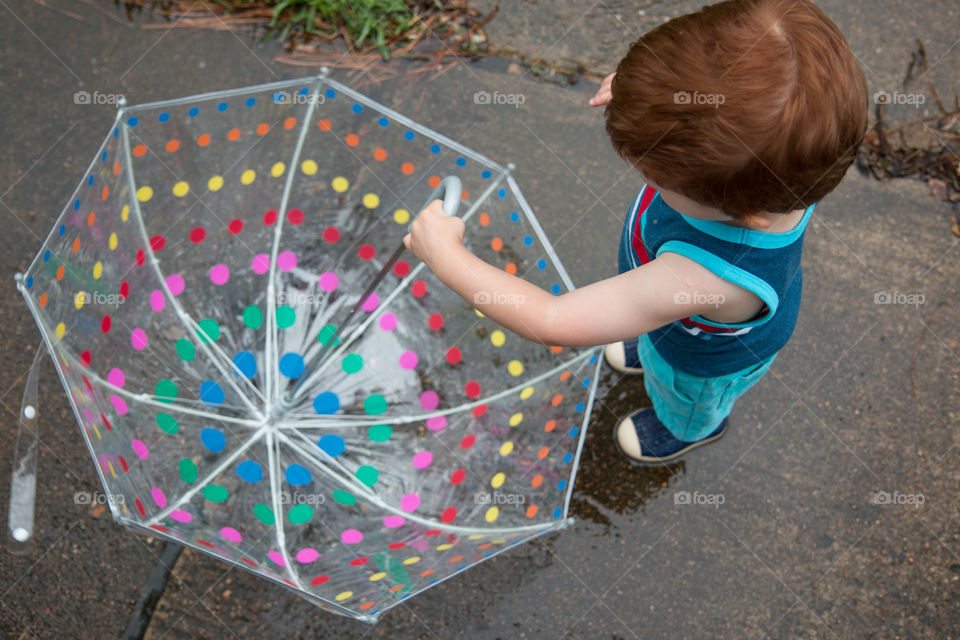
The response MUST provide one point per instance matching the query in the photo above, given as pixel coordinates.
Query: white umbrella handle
(23, 480)
(452, 194)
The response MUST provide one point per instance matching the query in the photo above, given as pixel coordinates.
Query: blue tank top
(767, 264)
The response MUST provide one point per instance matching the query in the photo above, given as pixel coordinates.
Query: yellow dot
(371, 201)
(526, 393)
(97, 270)
(491, 514)
(413, 560)
(444, 547)
(113, 241)
(479, 314)
(215, 183)
(61, 329)
(476, 536)
(506, 448)
(181, 189)
(277, 170)
(344, 595)
(515, 419)
(248, 176)
(498, 338)
(515, 367)
(497, 480)
(125, 212)
(80, 299)
(309, 167)
(143, 194)
(501, 541)
(340, 184)
(378, 576)
(401, 216)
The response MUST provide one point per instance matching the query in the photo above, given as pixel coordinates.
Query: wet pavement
(782, 535)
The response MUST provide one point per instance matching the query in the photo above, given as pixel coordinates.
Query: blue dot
(213, 439)
(383, 122)
(409, 135)
(528, 240)
(541, 264)
(557, 513)
(461, 162)
(585, 383)
(357, 108)
(291, 365)
(332, 445)
(502, 193)
(330, 93)
(562, 484)
(163, 117)
(250, 471)
(222, 106)
(76, 204)
(29, 282)
(193, 112)
(90, 180)
(574, 432)
(298, 475)
(62, 229)
(304, 91)
(46, 255)
(488, 555)
(567, 458)
(434, 148)
(247, 364)
(250, 102)
(103, 157)
(211, 393)
(555, 288)
(116, 131)
(593, 358)
(579, 407)
(485, 173)
(326, 403)
(132, 121)
(514, 216)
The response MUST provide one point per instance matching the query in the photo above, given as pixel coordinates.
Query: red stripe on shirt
(637, 240)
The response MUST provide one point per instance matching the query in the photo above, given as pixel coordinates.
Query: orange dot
(104, 192)
(60, 272)
(426, 573)
(397, 587)
(496, 244)
(116, 168)
(464, 195)
(365, 605)
(352, 139)
(456, 558)
(531, 511)
(434, 181)
(406, 168)
(324, 125)
(557, 399)
(140, 150)
(564, 375)
(484, 219)
(543, 452)
(290, 123)
(43, 300)
(537, 479)
(91, 218)
(510, 268)
(556, 349)
(233, 134)
(379, 154)
(484, 546)
(262, 128)
(76, 245)
(173, 145)
(204, 139)
(550, 426)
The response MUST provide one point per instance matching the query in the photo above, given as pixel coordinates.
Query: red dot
(105, 324)
(143, 512)
(402, 268)
(235, 226)
(141, 257)
(432, 532)
(106, 422)
(457, 476)
(294, 216)
(159, 528)
(197, 235)
(366, 251)
(204, 542)
(396, 545)
(123, 463)
(270, 217)
(467, 442)
(157, 242)
(479, 410)
(448, 515)
(454, 355)
(330, 234)
(472, 389)
(436, 321)
(86, 357)
(419, 288)
(86, 382)
(249, 562)
(319, 580)
(124, 290)
(356, 562)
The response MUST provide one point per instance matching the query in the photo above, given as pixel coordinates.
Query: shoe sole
(650, 461)
(630, 371)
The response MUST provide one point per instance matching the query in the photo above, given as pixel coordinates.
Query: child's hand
(604, 94)
(433, 233)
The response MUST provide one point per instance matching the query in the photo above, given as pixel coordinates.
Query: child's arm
(617, 308)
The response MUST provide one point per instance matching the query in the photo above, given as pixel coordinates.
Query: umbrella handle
(452, 194)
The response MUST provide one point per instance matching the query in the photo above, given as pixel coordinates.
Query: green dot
(215, 493)
(185, 349)
(375, 404)
(367, 475)
(352, 363)
(252, 317)
(166, 422)
(300, 514)
(165, 391)
(264, 514)
(209, 330)
(326, 333)
(188, 470)
(343, 497)
(286, 316)
(380, 432)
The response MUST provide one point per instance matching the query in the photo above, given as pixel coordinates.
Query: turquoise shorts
(689, 406)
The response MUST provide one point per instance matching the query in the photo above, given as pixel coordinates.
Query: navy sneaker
(623, 357)
(644, 439)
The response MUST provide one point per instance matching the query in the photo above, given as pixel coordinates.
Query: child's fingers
(406, 240)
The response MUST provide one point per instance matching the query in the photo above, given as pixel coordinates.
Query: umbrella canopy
(188, 294)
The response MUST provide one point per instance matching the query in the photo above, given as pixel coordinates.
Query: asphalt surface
(864, 399)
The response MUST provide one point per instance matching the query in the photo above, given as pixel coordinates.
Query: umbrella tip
(324, 71)
(511, 166)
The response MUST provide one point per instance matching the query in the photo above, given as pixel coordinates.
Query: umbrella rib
(356, 333)
(182, 315)
(273, 465)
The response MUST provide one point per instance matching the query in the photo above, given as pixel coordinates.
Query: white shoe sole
(616, 357)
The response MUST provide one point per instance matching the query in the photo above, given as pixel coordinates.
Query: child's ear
(756, 221)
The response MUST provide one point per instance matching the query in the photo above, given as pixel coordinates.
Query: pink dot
(176, 284)
(351, 536)
(371, 303)
(422, 460)
(260, 263)
(119, 404)
(116, 377)
(410, 502)
(392, 522)
(181, 516)
(388, 322)
(307, 555)
(140, 449)
(158, 497)
(328, 281)
(429, 400)
(277, 558)
(436, 423)
(138, 339)
(219, 274)
(286, 261)
(157, 301)
(409, 360)
(231, 534)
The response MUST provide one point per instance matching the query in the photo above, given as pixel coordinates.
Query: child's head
(747, 106)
